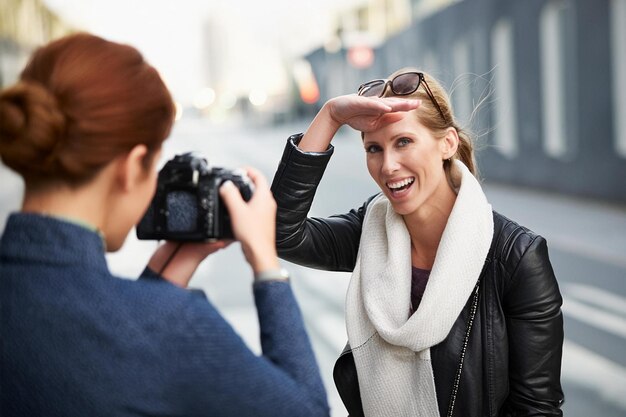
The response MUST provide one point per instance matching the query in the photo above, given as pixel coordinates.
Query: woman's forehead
(395, 122)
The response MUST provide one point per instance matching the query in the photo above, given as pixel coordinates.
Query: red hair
(81, 101)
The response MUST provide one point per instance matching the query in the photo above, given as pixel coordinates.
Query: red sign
(360, 56)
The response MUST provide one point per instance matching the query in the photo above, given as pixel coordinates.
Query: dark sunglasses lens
(405, 84)
(372, 89)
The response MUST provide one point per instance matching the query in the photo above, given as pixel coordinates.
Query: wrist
(328, 118)
(175, 265)
(274, 274)
(264, 263)
(320, 133)
(162, 256)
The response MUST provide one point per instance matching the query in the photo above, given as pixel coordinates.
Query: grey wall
(590, 166)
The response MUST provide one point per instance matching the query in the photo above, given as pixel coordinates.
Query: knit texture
(391, 350)
(77, 341)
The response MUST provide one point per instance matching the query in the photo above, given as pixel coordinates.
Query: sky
(254, 39)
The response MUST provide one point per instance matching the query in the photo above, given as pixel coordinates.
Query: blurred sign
(360, 56)
(303, 74)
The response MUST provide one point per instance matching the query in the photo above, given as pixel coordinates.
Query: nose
(390, 163)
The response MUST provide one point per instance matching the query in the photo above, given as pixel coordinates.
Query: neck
(426, 226)
(86, 204)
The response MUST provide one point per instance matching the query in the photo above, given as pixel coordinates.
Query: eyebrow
(403, 135)
(370, 142)
(393, 138)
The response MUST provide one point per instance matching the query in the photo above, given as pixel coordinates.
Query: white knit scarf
(392, 351)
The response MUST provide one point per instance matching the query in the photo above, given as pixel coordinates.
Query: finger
(257, 178)
(203, 248)
(394, 99)
(206, 249)
(231, 196)
(224, 243)
(227, 242)
(388, 119)
(220, 244)
(373, 103)
(397, 104)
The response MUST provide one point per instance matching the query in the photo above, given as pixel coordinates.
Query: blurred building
(542, 83)
(373, 22)
(24, 25)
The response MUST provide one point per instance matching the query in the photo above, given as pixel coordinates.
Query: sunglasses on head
(401, 85)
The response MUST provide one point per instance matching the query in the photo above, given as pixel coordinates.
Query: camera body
(187, 205)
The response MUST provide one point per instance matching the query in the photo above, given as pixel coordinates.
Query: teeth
(400, 184)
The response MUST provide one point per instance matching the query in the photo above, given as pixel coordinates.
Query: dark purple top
(419, 279)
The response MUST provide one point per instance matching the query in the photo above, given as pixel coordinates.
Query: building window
(552, 61)
(618, 54)
(504, 105)
(461, 91)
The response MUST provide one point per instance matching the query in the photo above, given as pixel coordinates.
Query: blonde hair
(430, 117)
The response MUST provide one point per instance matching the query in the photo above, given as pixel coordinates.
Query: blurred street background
(548, 80)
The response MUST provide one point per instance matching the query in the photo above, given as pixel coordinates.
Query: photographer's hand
(254, 222)
(177, 261)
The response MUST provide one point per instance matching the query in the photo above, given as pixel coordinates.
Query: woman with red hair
(84, 127)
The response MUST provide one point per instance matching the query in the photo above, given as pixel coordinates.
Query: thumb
(231, 196)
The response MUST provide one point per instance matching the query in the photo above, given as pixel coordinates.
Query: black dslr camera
(187, 205)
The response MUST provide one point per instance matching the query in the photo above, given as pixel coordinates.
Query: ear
(450, 143)
(131, 169)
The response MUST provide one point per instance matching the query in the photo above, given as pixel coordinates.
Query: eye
(372, 149)
(402, 142)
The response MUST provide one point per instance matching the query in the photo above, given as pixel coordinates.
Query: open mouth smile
(398, 188)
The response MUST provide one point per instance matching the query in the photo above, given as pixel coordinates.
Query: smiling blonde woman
(452, 308)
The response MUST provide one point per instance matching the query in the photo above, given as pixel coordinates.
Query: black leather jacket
(512, 364)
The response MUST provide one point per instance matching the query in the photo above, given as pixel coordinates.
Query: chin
(113, 245)
(402, 210)
(399, 208)
(402, 207)
(408, 206)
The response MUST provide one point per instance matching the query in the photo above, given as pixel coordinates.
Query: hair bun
(12, 119)
(31, 127)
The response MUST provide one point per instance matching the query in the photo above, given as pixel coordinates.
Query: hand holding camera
(254, 222)
(199, 210)
(186, 206)
(177, 261)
